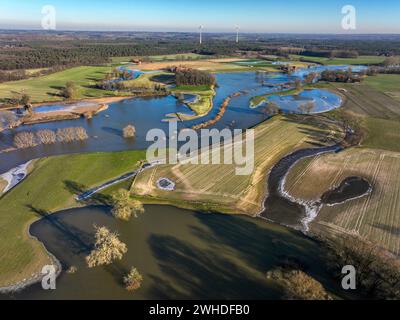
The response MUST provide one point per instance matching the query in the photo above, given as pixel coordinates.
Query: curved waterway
(281, 208)
(105, 129)
(181, 254)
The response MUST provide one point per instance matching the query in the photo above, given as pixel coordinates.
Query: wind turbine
(201, 33)
(237, 34)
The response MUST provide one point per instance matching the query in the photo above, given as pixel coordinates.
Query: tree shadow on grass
(316, 127)
(76, 188)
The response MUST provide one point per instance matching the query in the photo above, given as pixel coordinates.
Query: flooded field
(181, 254)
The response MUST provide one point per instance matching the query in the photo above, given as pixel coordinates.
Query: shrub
(298, 285)
(129, 131)
(133, 280)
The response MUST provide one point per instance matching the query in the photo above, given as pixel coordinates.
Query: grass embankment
(361, 60)
(374, 217)
(257, 100)
(218, 187)
(48, 88)
(50, 187)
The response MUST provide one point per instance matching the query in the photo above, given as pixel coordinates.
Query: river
(105, 129)
(181, 253)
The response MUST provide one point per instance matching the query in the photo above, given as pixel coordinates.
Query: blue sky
(303, 16)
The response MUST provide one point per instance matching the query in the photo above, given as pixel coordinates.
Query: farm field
(386, 83)
(211, 65)
(366, 60)
(378, 113)
(374, 217)
(47, 88)
(218, 187)
(50, 187)
(364, 100)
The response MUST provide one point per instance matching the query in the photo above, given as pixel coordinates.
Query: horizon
(176, 16)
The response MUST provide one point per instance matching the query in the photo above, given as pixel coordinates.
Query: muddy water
(181, 254)
(350, 188)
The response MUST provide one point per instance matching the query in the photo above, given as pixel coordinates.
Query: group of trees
(298, 285)
(108, 247)
(392, 61)
(27, 139)
(193, 77)
(340, 76)
(217, 118)
(306, 108)
(7, 119)
(124, 206)
(20, 74)
(378, 273)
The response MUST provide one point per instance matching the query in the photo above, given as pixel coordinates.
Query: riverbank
(50, 187)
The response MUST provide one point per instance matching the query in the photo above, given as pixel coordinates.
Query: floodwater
(322, 101)
(181, 254)
(105, 129)
(350, 188)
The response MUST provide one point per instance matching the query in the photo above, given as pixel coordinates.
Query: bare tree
(272, 108)
(107, 249)
(297, 83)
(25, 139)
(133, 280)
(124, 206)
(46, 136)
(129, 131)
(71, 134)
(7, 119)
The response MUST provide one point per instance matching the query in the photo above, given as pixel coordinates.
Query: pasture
(386, 83)
(210, 65)
(374, 217)
(47, 88)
